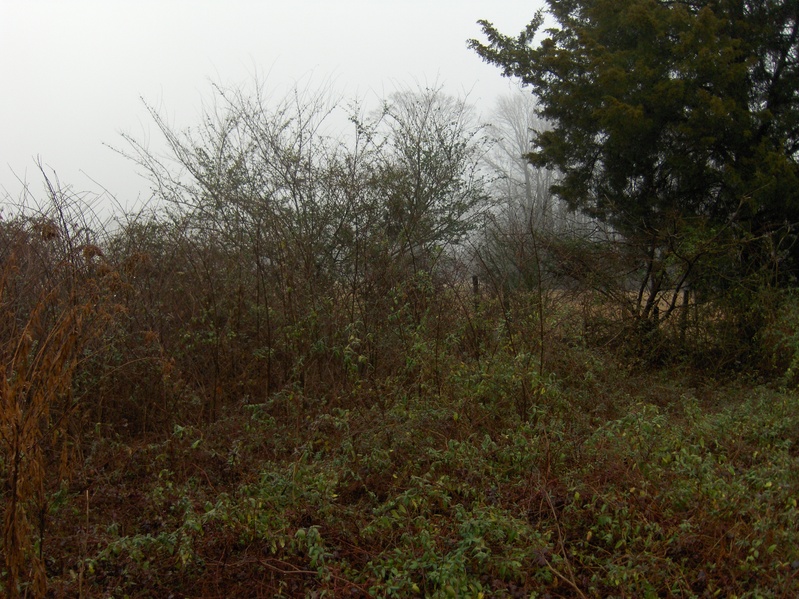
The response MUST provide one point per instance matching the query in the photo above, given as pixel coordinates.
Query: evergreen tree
(676, 123)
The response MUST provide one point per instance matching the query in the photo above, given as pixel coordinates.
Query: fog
(76, 74)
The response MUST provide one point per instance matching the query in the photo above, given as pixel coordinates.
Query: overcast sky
(73, 72)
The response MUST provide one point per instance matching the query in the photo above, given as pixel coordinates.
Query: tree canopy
(674, 122)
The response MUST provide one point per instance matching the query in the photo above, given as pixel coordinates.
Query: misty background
(77, 74)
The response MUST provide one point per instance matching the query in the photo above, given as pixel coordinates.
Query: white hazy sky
(73, 72)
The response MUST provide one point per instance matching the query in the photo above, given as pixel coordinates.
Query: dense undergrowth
(676, 491)
(606, 480)
(219, 401)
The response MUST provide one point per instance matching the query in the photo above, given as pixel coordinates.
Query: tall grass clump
(51, 307)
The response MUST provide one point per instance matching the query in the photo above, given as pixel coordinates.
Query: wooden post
(478, 323)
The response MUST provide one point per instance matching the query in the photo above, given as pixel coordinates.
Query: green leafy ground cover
(659, 486)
